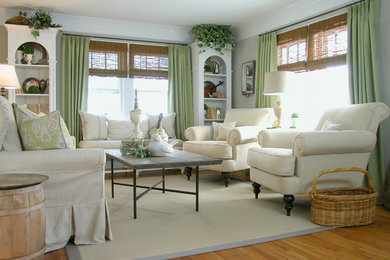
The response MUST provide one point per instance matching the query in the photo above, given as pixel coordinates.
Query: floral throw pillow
(44, 133)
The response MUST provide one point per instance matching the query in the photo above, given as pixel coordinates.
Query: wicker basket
(343, 207)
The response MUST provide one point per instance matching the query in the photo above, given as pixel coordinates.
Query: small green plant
(205, 107)
(141, 153)
(28, 50)
(218, 37)
(21, 48)
(39, 21)
(207, 68)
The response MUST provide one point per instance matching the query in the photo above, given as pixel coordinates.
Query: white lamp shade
(276, 82)
(8, 77)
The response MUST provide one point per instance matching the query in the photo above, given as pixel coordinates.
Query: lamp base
(3, 92)
(278, 113)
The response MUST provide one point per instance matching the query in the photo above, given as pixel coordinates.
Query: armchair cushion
(277, 138)
(223, 132)
(278, 161)
(247, 116)
(217, 149)
(9, 137)
(333, 142)
(328, 125)
(243, 134)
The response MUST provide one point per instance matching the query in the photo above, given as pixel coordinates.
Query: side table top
(177, 159)
(16, 181)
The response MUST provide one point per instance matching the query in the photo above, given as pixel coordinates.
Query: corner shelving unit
(222, 73)
(43, 67)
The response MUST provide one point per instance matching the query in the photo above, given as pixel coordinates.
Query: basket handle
(368, 175)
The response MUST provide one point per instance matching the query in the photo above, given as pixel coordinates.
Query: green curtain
(266, 61)
(363, 20)
(180, 88)
(74, 81)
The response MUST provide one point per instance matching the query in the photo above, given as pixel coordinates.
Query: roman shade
(148, 61)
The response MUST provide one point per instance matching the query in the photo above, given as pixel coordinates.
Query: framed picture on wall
(248, 78)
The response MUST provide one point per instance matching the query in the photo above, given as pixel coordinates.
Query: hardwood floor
(365, 242)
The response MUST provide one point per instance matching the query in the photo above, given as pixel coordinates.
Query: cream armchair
(228, 143)
(287, 161)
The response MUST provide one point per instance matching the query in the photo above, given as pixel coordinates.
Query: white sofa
(230, 140)
(75, 196)
(101, 132)
(286, 161)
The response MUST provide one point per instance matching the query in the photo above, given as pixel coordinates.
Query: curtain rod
(313, 17)
(120, 39)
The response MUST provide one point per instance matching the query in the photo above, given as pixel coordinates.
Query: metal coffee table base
(153, 187)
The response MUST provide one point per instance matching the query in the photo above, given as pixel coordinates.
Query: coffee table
(177, 159)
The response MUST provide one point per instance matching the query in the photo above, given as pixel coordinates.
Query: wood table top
(16, 181)
(177, 159)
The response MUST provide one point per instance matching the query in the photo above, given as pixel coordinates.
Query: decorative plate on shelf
(31, 86)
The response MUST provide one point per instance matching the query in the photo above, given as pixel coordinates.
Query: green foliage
(215, 36)
(21, 48)
(39, 21)
(33, 89)
(208, 68)
(28, 50)
(141, 153)
(205, 107)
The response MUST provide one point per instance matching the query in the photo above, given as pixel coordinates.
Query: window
(111, 91)
(318, 53)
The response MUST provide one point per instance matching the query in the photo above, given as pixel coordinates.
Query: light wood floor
(365, 242)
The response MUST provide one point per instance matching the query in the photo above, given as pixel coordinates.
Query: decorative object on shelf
(19, 55)
(158, 147)
(212, 65)
(28, 53)
(39, 21)
(219, 113)
(275, 83)
(211, 113)
(21, 19)
(218, 94)
(31, 85)
(248, 78)
(43, 84)
(215, 36)
(294, 117)
(205, 109)
(210, 88)
(40, 55)
(8, 78)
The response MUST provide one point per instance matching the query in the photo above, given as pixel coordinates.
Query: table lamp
(8, 78)
(274, 84)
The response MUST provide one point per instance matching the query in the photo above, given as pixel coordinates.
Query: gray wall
(247, 50)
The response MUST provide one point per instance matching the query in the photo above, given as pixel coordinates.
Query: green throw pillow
(46, 132)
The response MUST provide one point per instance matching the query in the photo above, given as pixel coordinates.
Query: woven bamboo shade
(292, 49)
(327, 43)
(317, 46)
(108, 59)
(147, 61)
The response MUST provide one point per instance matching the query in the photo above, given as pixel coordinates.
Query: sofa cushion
(46, 132)
(94, 126)
(216, 149)
(121, 129)
(22, 113)
(9, 137)
(278, 161)
(167, 123)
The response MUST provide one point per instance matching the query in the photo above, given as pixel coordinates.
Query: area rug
(168, 225)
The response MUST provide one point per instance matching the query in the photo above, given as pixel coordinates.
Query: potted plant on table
(218, 37)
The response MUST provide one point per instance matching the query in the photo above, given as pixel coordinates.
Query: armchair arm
(277, 138)
(244, 134)
(199, 133)
(333, 142)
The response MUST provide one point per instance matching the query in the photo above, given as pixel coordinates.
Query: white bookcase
(223, 63)
(43, 66)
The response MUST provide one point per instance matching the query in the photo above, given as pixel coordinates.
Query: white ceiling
(183, 13)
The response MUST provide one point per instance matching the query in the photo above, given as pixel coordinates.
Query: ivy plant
(141, 153)
(218, 37)
(39, 21)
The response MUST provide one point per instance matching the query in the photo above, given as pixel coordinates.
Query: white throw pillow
(121, 129)
(217, 125)
(94, 126)
(167, 123)
(9, 137)
(223, 132)
(328, 125)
